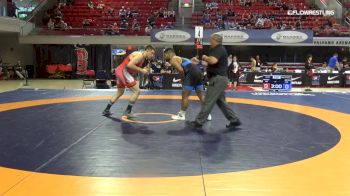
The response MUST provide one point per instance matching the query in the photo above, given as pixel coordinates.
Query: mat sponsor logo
(289, 36)
(172, 36)
(232, 36)
(281, 94)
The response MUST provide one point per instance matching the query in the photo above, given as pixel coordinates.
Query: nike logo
(257, 77)
(176, 80)
(297, 78)
(332, 78)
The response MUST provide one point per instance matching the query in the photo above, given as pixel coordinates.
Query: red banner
(82, 61)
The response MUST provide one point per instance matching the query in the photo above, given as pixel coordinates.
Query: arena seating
(280, 16)
(74, 15)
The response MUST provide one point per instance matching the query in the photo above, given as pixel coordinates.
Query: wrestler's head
(169, 53)
(149, 52)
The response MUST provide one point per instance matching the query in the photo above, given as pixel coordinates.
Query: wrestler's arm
(176, 63)
(133, 64)
(210, 60)
(196, 61)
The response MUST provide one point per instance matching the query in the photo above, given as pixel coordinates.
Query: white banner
(331, 41)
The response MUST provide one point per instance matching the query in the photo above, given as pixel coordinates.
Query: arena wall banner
(331, 41)
(173, 81)
(298, 79)
(165, 81)
(235, 36)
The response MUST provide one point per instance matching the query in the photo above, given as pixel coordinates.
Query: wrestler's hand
(146, 70)
(204, 57)
(195, 61)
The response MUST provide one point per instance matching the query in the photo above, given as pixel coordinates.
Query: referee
(216, 64)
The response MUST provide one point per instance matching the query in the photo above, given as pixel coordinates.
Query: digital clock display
(277, 82)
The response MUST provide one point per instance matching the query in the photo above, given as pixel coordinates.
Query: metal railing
(36, 10)
(347, 21)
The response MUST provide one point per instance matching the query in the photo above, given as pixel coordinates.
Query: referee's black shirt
(220, 68)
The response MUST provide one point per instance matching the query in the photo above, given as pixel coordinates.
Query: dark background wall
(99, 56)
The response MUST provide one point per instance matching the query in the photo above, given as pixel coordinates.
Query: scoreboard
(277, 82)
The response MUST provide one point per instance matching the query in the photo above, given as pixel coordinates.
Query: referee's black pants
(216, 94)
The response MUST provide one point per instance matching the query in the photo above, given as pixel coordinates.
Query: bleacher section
(75, 14)
(280, 16)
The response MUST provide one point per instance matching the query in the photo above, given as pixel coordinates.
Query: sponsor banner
(234, 36)
(333, 79)
(165, 81)
(172, 36)
(257, 78)
(298, 79)
(330, 80)
(331, 41)
(173, 81)
(290, 37)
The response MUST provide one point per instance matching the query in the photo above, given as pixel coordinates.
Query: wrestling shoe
(209, 117)
(179, 116)
(106, 113)
(234, 124)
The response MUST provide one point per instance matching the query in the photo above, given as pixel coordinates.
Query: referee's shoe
(234, 124)
(196, 125)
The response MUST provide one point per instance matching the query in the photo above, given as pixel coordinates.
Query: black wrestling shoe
(194, 125)
(234, 124)
(106, 113)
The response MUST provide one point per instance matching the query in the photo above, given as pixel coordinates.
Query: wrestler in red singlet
(131, 65)
(124, 74)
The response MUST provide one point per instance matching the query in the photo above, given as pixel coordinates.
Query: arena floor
(55, 142)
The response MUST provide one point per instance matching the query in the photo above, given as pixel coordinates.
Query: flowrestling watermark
(310, 12)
